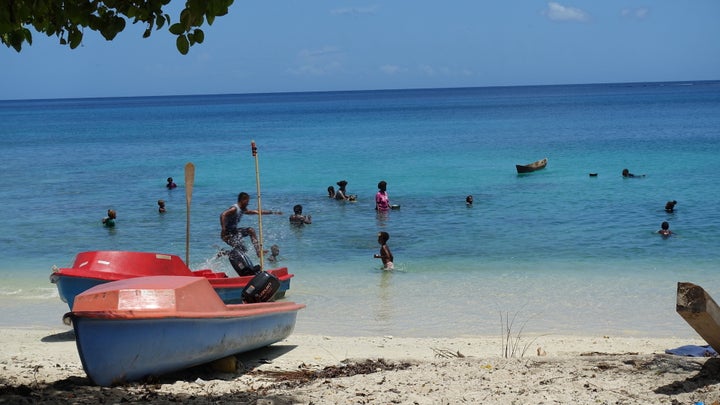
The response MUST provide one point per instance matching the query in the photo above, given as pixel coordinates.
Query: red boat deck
(111, 265)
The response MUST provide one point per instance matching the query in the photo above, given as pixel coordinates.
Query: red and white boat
(102, 266)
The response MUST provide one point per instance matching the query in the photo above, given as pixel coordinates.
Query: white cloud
(315, 69)
(317, 53)
(445, 71)
(392, 69)
(427, 70)
(356, 11)
(317, 62)
(638, 13)
(558, 12)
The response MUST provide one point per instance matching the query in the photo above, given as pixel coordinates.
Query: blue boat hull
(70, 287)
(114, 351)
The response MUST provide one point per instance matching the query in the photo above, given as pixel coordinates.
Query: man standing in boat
(232, 234)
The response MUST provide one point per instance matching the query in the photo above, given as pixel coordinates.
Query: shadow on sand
(81, 390)
(709, 374)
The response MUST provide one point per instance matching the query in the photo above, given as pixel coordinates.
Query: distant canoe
(540, 164)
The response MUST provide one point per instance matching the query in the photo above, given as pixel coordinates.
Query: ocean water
(557, 250)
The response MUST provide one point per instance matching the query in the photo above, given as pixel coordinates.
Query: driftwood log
(700, 311)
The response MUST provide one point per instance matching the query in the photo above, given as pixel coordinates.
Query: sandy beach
(42, 366)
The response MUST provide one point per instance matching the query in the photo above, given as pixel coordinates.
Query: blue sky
(324, 45)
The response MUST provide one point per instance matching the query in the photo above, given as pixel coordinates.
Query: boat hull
(98, 267)
(149, 326)
(540, 164)
(114, 352)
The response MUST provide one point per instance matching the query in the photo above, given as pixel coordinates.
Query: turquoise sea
(559, 250)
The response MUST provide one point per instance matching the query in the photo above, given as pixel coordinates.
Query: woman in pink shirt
(382, 202)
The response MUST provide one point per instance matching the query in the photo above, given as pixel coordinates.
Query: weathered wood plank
(700, 311)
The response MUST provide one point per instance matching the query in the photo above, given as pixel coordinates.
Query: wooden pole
(259, 203)
(189, 181)
(700, 311)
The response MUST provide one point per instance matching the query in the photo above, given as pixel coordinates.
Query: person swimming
(670, 206)
(341, 193)
(626, 173)
(297, 218)
(109, 221)
(665, 229)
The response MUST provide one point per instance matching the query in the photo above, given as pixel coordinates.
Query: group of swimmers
(341, 194)
(233, 235)
(665, 226)
(109, 220)
(382, 204)
(669, 207)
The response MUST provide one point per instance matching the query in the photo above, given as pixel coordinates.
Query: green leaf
(28, 36)
(75, 38)
(177, 29)
(160, 21)
(185, 17)
(16, 40)
(199, 36)
(183, 46)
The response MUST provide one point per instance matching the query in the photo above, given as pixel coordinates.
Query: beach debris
(447, 354)
(348, 369)
(541, 352)
(609, 354)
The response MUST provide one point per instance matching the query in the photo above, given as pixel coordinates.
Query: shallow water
(565, 252)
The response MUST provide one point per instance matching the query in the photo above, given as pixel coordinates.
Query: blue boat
(131, 329)
(101, 266)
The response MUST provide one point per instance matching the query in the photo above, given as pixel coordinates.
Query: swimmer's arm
(264, 212)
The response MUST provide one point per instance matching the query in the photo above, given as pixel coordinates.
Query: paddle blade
(189, 180)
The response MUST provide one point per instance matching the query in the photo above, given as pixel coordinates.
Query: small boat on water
(102, 266)
(148, 326)
(531, 167)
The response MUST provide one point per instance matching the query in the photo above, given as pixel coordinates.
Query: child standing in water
(382, 201)
(385, 255)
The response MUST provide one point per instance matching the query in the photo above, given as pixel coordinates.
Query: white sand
(42, 366)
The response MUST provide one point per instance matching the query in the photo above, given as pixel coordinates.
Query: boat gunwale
(233, 311)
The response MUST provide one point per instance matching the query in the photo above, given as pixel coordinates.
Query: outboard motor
(261, 288)
(242, 264)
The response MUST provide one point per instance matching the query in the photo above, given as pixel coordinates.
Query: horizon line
(672, 82)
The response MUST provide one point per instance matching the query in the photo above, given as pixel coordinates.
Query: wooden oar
(259, 209)
(189, 181)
